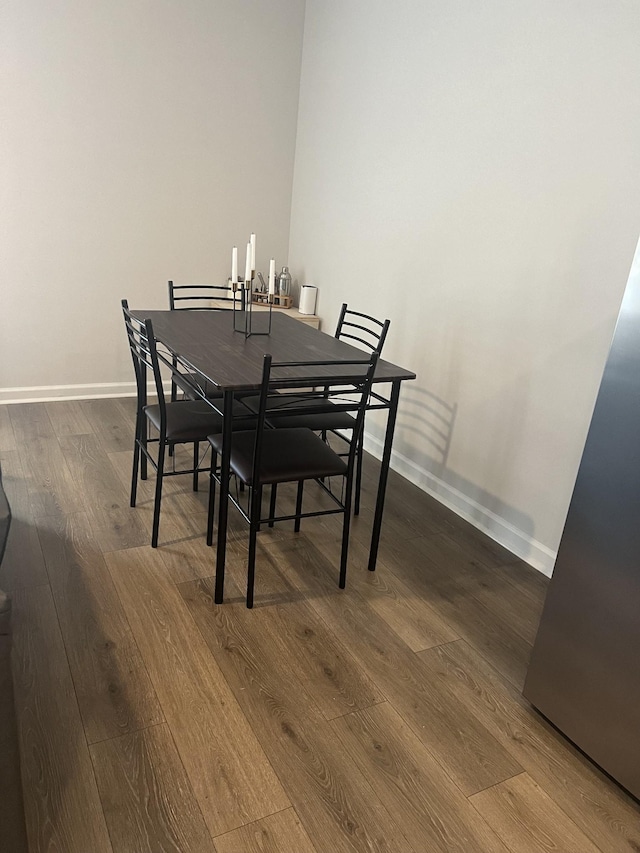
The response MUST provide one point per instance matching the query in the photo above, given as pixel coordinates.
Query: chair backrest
(199, 297)
(295, 385)
(144, 353)
(367, 330)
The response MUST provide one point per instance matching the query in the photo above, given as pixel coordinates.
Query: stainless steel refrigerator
(584, 674)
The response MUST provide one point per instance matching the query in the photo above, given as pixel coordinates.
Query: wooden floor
(386, 717)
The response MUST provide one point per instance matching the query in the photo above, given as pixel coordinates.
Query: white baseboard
(506, 534)
(50, 393)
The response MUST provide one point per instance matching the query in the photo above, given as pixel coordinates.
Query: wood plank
(30, 421)
(111, 683)
(148, 801)
(278, 833)
(115, 524)
(527, 579)
(394, 541)
(481, 549)
(48, 479)
(181, 499)
(127, 407)
(509, 588)
(453, 565)
(413, 513)
(7, 435)
(408, 615)
(14, 831)
(410, 513)
(453, 584)
(527, 819)
(68, 418)
(232, 779)
(62, 806)
(477, 545)
(331, 797)
(473, 756)
(432, 812)
(183, 520)
(456, 563)
(111, 422)
(523, 618)
(323, 667)
(23, 563)
(397, 524)
(609, 817)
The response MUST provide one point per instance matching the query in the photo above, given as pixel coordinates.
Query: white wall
(139, 142)
(472, 171)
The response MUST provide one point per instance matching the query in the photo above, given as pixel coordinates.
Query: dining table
(208, 346)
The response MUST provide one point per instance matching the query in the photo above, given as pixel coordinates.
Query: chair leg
(359, 455)
(158, 495)
(144, 429)
(174, 397)
(196, 460)
(134, 475)
(346, 525)
(136, 463)
(212, 498)
(272, 503)
(256, 503)
(296, 525)
(174, 387)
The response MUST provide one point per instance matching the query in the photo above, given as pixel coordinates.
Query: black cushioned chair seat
(193, 420)
(320, 421)
(288, 455)
(324, 417)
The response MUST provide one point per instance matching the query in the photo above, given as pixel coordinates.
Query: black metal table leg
(384, 473)
(225, 456)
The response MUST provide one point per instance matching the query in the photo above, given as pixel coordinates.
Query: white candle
(253, 252)
(234, 265)
(272, 276)
(248, 268)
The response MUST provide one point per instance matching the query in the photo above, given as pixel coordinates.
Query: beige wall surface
(139, 141)
(472, 171)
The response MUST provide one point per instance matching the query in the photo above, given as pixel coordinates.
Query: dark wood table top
(226, 358)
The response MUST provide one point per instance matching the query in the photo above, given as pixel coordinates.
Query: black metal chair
(362, 328)
(201, 297)
(176, 422)
(266, 456)
(325, 415)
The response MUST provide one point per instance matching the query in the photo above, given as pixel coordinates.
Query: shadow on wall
(428, 430)
(432, 419)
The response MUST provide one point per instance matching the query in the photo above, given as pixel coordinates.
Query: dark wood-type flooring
(386, 717)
